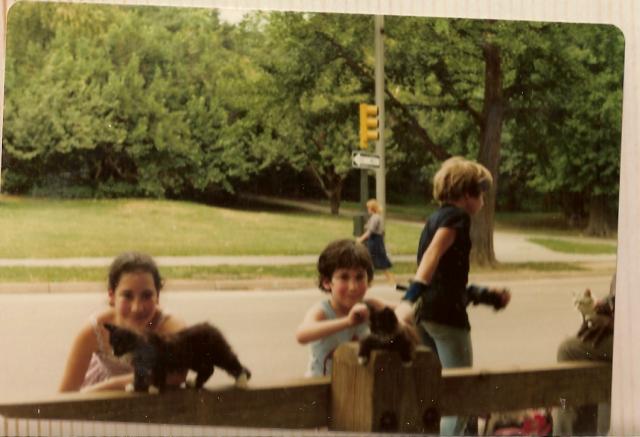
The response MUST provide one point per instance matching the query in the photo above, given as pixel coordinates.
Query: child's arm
(372, 223)
(83, 347)
(442, 241)
(315, 326)
(363, 237)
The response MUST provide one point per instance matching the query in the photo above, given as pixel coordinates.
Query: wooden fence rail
(381, 396)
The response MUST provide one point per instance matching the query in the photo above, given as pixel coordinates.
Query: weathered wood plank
(472, 392)
(381, 396)
(384, 396)
(298, 404)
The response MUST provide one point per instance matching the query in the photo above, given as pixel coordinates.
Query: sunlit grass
(568, 246)
(45, 228)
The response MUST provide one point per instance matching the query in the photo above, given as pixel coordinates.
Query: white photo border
(625, 14)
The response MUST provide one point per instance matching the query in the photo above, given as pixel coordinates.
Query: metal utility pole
(381, 186)
(372, 128)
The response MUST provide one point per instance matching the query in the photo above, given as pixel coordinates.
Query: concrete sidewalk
(509, 247)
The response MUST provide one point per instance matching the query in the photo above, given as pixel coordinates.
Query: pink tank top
(104, 364)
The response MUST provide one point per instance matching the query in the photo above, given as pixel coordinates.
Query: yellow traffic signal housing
(368, 124)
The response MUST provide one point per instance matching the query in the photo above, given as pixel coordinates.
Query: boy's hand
(502, 297)
(359, 313)
(498, 298)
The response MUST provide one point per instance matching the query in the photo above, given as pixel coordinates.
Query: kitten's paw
(363, 361)
(190, 384)
(242, 381)
(153, 390)
(129, 388)
(407, 364)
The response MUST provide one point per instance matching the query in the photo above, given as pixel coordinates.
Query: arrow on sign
(364, 160)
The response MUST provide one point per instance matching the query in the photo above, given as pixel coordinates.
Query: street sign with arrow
(364, 160)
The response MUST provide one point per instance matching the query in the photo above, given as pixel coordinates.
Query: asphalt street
(38, 328)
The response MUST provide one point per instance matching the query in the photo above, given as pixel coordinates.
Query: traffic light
(368, 124)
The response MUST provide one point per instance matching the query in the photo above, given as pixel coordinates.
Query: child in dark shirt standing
(440, 283)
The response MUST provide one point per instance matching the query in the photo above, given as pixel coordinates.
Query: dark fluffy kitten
(200, 348)
(385, 334)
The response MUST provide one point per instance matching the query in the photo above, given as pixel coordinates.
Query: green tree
(311, 92)
(573, 140)
(127, 101)
(472, 78)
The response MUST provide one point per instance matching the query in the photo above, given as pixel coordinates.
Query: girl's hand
(359, 313)
(506, 297)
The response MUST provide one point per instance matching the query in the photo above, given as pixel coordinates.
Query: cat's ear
(109, 327)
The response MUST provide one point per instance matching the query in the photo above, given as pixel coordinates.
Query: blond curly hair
(458, 176)
(374, 206)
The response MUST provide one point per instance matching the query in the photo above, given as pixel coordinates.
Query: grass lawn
(51, 228)
(568, 246)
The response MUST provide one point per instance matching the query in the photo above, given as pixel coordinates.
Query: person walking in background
(439, 289)
(373, 238)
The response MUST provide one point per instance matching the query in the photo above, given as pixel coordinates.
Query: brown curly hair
(343, 254)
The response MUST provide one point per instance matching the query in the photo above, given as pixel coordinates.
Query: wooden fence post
(385, 396)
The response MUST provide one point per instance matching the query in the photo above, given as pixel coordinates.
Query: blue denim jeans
(454, 350)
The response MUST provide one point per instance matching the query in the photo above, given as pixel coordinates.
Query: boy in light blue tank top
(345, 271)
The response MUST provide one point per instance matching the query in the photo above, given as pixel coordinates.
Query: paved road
(37, 328)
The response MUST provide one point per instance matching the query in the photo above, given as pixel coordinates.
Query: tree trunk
(335, 196)
(331, 184)
(489, 155)
(598, 218)
(575, 208)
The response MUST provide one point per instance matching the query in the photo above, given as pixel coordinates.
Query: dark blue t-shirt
(446, 299)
